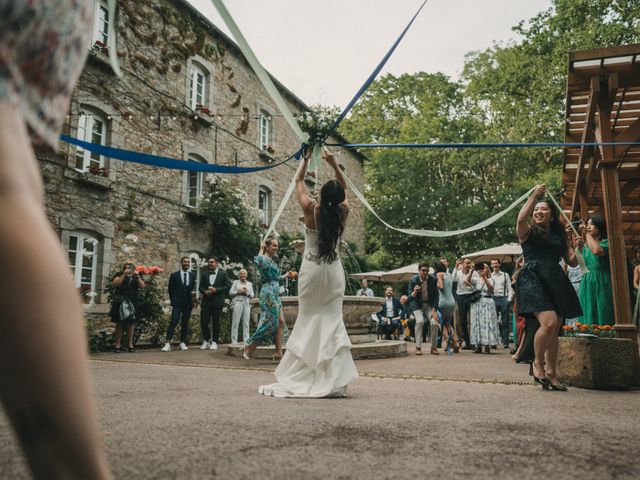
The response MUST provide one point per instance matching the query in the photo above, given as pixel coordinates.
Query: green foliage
(508, 93)
(235, 232)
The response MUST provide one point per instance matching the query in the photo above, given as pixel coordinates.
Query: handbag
(127, 310)
(475, 296)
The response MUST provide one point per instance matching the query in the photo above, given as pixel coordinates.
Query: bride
(318, 360)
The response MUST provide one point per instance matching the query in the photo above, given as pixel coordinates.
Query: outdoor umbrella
(505, 253)
(402, 274)
(375, 275)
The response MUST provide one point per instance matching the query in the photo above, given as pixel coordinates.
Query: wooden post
(613, 214)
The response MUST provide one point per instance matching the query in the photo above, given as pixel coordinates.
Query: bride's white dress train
(318, 361)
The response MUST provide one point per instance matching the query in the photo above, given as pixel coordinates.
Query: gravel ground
(196, 415)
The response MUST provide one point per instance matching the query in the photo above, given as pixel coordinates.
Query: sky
(323, 51)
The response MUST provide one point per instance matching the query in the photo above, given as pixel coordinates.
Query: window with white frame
(83, 253)
(197, 86)
(92, 128)
(264, 128)
(194, 183)
(100, 23)
(264, 205)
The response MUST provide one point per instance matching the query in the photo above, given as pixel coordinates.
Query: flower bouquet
(582, 330)
(148, 270)
(317, 123)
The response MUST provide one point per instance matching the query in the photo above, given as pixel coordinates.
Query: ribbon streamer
(111, 39)
(477, 145)
(579, 257)
(164, 162)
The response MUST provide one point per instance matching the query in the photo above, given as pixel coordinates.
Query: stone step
(376, 349)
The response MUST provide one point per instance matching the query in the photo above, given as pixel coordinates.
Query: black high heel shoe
(556, 387)
(544, 381)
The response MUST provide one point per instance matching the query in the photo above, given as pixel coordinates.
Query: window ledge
(193, 212)
(100, 59)
(266, 156)
(93, 180)
(203, 118)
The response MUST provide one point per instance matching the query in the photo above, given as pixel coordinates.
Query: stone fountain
(356, 311)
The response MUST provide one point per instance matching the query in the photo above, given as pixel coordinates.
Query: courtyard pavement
(197, 415)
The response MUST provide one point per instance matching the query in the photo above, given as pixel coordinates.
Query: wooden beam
(587, 136)
(612, 88)
(603, 128)
(605, 52)
(630, 134)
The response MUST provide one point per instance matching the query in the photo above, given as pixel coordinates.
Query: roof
(610, 75)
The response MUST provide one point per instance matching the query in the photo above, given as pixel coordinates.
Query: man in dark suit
(214, 286)
(389, 315)
(182, 287)
(423, 302)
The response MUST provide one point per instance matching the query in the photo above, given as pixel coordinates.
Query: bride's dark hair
(331, 220)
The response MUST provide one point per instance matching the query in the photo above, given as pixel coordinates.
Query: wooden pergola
(603, 105)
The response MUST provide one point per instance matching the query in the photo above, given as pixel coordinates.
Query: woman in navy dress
(545, 297)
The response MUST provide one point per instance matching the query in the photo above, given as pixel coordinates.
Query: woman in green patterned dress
(596, 295)
(272, 319)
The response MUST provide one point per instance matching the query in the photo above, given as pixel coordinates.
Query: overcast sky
(324, 50)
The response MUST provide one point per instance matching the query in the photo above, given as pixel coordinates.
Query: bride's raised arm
(331, 160)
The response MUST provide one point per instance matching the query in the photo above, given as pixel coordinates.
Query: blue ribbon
(375, 72)
(164, 162)
(476, 145)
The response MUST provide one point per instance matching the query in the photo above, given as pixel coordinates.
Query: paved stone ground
(196, 415)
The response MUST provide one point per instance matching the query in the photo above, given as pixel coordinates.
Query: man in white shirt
(464, 289)
(502, 295)
(389, 314)
(365, 291)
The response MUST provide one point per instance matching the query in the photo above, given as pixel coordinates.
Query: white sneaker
(213, 346)
(167, 347)
(205, 345)
(183, 346)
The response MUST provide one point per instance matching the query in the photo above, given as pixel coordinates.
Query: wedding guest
(365, 291)
(214, 286)
(423, 301)
(241, 292)
(44, 375)
(464, 291)
(502, 295)
(182, 286)
(271, 326)
(446, 305)
(126, 283)
(389, 315)
(545, 296)
(574, 274)
(407, 319)
(519, 323)
(484, 321)
(596, 293)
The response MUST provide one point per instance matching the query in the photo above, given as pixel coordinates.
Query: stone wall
(137, 211)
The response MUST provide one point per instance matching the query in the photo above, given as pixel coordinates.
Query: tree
(507, 93)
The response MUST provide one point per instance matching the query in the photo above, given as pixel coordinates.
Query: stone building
(188, 93)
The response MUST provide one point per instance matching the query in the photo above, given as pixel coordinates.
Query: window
(92, 128)
(264, 129)
(197, 86)
(100, 23)
(194, 183)
(83, 258)
(264, 205)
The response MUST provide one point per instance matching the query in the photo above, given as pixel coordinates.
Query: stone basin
(356, 312)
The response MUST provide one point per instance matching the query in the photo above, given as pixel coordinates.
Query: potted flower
(591, 357)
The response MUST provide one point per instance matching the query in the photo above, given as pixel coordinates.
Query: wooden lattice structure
(603, 105)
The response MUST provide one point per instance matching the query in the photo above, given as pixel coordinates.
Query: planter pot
(596, 363)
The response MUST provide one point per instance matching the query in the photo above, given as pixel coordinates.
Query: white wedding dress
(318, 361)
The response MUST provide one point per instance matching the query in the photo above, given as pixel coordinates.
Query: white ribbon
(579, 257)
(111, 39)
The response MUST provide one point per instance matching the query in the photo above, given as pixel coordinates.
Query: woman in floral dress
(272, 319)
